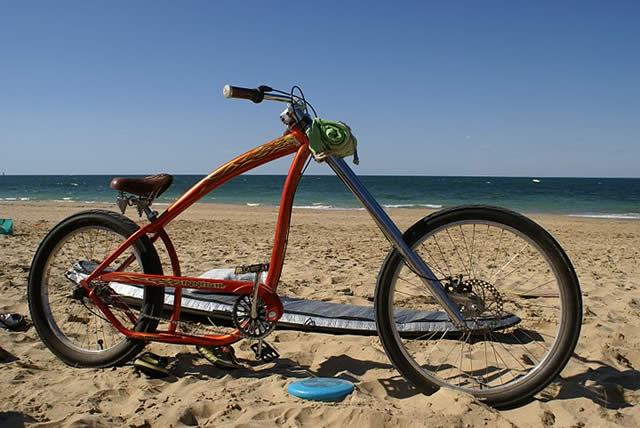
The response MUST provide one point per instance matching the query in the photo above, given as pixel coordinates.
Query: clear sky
(549, 88)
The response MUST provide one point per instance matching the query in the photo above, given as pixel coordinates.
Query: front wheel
(516, 289)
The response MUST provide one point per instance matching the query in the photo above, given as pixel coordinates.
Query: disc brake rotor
(475, 298)
(489, 295)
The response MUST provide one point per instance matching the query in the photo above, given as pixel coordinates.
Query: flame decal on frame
(255, 155)
(168, 282)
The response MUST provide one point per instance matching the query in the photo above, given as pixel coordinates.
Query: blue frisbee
(320, 388)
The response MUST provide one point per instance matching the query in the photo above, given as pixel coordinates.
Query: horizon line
(327, 175)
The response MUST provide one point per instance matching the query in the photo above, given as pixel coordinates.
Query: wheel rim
(74, 319)
(489, 256)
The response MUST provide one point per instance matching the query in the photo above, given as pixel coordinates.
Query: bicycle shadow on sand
(605, 385)
(340, 366)
(15, 419)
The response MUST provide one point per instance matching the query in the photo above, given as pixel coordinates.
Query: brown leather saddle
(147, 187)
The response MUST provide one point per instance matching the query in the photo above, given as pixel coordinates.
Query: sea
(585, 197)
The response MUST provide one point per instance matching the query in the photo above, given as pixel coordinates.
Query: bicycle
(478, 264)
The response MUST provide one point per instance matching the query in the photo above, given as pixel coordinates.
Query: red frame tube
(284, 217)
(294, 142)
(175, 266)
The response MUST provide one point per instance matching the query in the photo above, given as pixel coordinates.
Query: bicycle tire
(485, 301)
(75, 239)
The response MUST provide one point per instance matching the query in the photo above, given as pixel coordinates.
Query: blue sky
(430, 88)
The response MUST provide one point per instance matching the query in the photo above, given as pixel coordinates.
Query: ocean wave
(412, 205)
(623, 216)
(10, 199)
(326, 207)
(253, 204)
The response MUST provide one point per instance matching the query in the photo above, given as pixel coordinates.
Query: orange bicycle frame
(294, 142)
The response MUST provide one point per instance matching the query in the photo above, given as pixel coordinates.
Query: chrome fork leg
(393, 234)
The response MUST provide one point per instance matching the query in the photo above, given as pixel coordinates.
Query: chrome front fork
(393, 234)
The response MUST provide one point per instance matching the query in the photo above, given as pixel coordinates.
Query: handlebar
(294, 116)
(256, 95)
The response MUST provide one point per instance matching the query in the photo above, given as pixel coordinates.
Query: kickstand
(264, 351)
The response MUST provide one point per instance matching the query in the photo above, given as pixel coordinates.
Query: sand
(599, 387)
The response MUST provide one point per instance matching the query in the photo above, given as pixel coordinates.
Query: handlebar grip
(255, 95)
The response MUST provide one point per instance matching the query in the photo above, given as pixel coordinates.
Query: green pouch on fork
(332, 138)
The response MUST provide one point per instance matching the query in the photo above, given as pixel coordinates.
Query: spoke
(407, 294)
(473, 239)
(469, 253)
(91, 240)
(471, 358)
(462, 355)
(486, 358)
(535, 341)
(58, 299)
(543, 334)
(430, 336)
(513, 241)
(462, 348)
(535, 359)
(517, 292)
(495, 354)
(455, 247)
(420, 288)
(463, 341)
(435, 263)
(70, 258)
(538, 305)
(96, 332)
(433, 348)
(445, 359)
(442, 255)
(83, 245)
(495, 259)
(508, 263)
(513, 356)
(516, 268)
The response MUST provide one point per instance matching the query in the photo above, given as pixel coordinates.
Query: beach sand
(332, 256)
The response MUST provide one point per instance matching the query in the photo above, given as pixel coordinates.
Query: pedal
(256, 268)
(264, 352)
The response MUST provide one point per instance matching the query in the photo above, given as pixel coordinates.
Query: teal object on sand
(6, 226)
(321, 388)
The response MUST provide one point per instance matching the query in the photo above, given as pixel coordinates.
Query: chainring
(254, 328)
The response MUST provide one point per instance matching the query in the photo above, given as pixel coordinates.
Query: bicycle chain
(197, 326)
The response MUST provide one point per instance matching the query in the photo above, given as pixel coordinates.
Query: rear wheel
(67, 320)
(516, 289)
